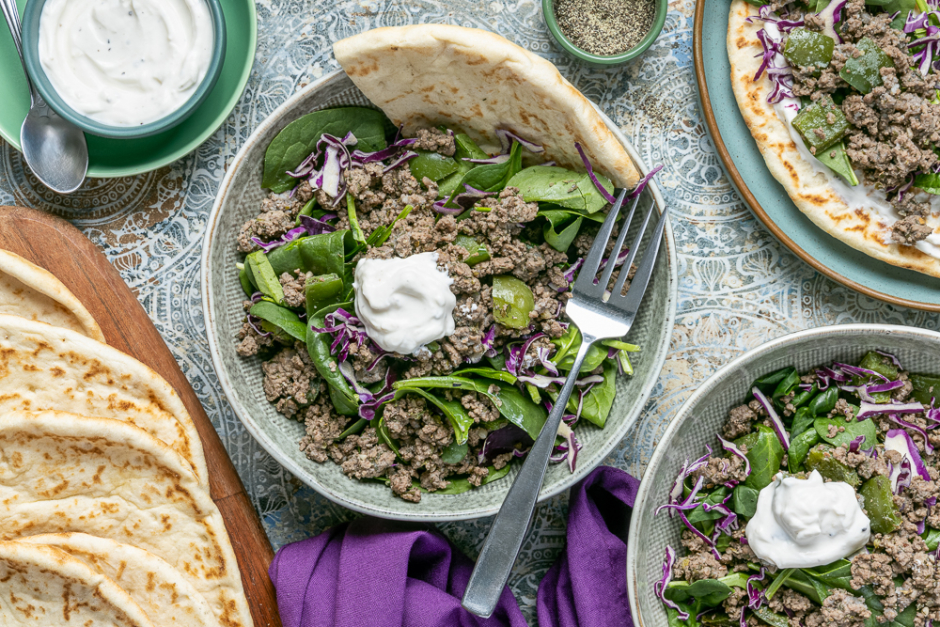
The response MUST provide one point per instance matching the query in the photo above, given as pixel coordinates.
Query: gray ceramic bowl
(239, 198)
(31, 19)
(703, 414)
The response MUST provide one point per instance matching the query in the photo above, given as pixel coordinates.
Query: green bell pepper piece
(879, 504)
(821, 124)
(926, 387)
(512, 302)
(477, 252)
(820, 458)
(806, 48)
(880, 364)
(864, 73)
(264, 276)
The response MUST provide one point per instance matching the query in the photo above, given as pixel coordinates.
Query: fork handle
(511, 525)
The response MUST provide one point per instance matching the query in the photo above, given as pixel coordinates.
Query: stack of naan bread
(105, 515)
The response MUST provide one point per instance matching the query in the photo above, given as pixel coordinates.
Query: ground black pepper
(605, 27)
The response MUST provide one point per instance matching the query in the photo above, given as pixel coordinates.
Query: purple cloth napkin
(380, 573)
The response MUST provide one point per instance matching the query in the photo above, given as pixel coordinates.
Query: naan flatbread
(479, 82)
(64, 473)
(44, 367)
(861, 228)
(161, 591)
(31, 292)
(44, 587)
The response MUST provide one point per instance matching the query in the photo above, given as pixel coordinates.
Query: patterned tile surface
(738, 286)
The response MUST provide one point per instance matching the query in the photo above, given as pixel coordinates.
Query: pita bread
(861, 228)
(45, 587)
(63, 473)
(45, 367)
(29, 291)
(479, 82)
(160, 590)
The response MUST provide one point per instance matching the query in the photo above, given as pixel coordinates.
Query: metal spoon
(54, 148)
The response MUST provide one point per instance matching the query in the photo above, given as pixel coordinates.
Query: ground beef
(721, 470)
(840, 609)
(895, 126)
(739, 422)
(290, 380)
(435, 141)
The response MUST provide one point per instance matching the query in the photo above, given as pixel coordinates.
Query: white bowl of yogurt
(124, 68)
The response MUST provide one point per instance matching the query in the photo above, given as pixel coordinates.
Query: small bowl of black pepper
(605, 32)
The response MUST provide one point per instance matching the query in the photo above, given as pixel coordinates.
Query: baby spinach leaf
(324, 253)
(597, 402)
(837, 159)
(807, 586)
(765, 454)
(835, 575)
(432, 165)
(561, 186)
(770, 381)
(771, 618)
(454, 453)
(802, 420)
(673, 620)
(799, 447)
(852, 430)
(710, 592)
(243, 277)
(906, 617)
(355, 428)
(565, 359)
(322, 291)
(298, 139)
(491, 177)
(825, 402)
(560, 229)
(489, 373)
(281, 317)
(787, 384)
(744, 501)
(510, 402)
(385, 437)
(932, 538)
(286, 258)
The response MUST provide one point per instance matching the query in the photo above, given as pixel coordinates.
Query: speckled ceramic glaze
(706, 410)
(239, 199)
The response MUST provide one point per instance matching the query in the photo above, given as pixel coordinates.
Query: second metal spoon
(54, 148)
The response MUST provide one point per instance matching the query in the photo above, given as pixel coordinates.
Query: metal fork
(599, 315)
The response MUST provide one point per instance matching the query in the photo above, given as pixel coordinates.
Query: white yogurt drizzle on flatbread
(861, 196)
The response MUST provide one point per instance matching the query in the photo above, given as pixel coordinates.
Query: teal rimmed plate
(767, 198)
(126, 157)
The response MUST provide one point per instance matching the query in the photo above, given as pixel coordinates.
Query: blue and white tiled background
(737, 286)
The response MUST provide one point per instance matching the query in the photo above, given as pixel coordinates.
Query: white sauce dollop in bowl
(801, 523)
(404, 303)
(124, 68)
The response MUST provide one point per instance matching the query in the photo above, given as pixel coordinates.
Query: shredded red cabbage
(590, 171)
(779, 429)
(901, 439)
(660, 586)
(569, 273)
(732, 448)
(867, 409)
(930, 40)
(491, 160)
(909, 425)
(856, 443)
(779, 75)
(645, 181)
(506, 137)
(831, 16)
(290, 236)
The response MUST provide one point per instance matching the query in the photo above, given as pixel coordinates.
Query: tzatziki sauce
(125, 62)
(801, 523)
(404, 303)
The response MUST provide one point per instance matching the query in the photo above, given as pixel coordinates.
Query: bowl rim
(32, 16)
(659, 20)
(208, 279)
(643, 494)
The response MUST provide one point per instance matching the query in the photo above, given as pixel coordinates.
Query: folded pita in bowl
(64, 473)
(161, 591)
(477, 81)
(45, 367)
(31, 292)
(45, 587)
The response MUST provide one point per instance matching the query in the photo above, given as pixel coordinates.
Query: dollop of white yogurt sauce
(125, 62)
(861, 196)
(404, 303)
(801, 523)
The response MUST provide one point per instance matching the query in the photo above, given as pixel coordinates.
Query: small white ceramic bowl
(704, 413)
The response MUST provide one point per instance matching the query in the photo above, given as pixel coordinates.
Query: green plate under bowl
(767, 198)
(126, 157)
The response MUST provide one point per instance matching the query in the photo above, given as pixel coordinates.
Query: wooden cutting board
(60, 248)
